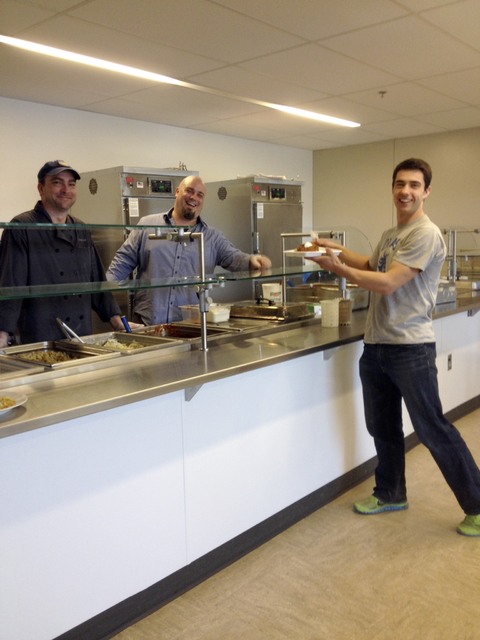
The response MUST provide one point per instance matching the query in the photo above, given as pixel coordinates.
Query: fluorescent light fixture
(88, 60)
(302, 113)
(156, 77)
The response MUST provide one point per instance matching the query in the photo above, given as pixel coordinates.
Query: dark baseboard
(463, 410)
(110, 622)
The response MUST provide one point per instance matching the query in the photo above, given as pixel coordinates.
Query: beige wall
(352, 185)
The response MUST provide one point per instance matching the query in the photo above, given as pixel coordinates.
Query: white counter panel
(458, 335)
(258, 442)
(92, 511)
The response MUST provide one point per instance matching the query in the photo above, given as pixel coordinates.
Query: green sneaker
(372, 505)
(470, 526)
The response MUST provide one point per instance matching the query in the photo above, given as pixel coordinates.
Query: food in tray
(6, 402)
(49, 356)
(113, 343)
(307, 246)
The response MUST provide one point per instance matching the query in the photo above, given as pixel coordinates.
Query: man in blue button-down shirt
(154, 259)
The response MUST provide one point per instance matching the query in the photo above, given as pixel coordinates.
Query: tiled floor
(341, 576)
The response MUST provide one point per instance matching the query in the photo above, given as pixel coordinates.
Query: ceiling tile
(422, 5)
(200, 27)
(315, 19)
(13, 16)
(283, 123)
(327, 71)
(161, 104)
(249, 83)
(461, 20)
(347, 137)
(73, 34)
(407, 99)
(407, 47)
(52, 81)
(403, 128)
(55, 6)
(303, 142)
(462, 85)
(352, 110)
(238, 129)
(468, 117)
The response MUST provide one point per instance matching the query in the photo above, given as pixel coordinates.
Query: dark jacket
(30, 257)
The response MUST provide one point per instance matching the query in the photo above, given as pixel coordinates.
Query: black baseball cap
(55, 167)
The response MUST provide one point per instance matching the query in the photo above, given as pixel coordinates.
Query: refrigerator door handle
(256, 242)
(255, 233)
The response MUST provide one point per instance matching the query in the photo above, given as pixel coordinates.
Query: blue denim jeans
(388, 374)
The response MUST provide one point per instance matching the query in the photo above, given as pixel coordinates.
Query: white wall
(33, 133)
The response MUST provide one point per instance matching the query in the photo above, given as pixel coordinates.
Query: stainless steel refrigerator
(123, 196)
(252, 212)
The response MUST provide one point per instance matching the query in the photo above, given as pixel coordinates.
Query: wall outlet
(449, 362)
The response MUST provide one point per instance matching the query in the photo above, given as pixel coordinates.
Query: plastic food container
(216, 313)
(190, 312)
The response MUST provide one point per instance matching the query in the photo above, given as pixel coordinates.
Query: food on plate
(113, 343)
(307, 246)
(48, 357)
(6, 402)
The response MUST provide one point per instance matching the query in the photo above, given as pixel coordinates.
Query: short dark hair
(414, 164)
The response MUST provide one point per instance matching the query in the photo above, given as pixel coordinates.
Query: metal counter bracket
(191, 392)
(329, 353)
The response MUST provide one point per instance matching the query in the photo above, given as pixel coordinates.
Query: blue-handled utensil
(128, 328)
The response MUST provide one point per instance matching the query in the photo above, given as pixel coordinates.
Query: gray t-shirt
(405, 317)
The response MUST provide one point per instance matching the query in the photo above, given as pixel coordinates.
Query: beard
(188, 214)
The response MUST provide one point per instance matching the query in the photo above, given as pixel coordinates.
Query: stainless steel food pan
(275, 313)
(10, 368)
(57, 354)
(180, 331)
(316, 292)
(127, 343)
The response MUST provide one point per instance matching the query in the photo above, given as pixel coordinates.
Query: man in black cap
(46, 256)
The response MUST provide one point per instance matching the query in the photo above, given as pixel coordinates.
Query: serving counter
(123, 485)
(55, 396)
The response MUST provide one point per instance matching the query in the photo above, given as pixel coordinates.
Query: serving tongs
(69, 333)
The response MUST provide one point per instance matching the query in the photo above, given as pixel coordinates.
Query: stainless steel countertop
(55, 396)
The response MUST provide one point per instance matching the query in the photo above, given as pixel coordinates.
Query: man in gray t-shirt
(398, 361)
(405, 315)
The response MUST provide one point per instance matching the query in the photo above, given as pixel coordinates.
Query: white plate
(18, 397)
(310, 254)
